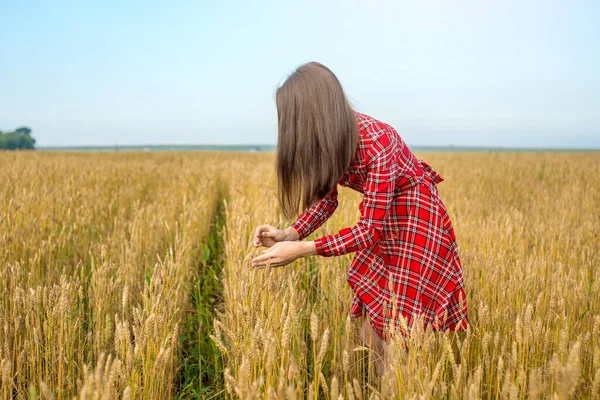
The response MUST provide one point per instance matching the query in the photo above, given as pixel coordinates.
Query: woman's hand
(267, 235)
(283, 253)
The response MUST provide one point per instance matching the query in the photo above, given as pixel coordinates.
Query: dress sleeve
(316, 215)
(379, 187)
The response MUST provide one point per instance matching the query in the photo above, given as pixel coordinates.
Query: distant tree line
(19, 139)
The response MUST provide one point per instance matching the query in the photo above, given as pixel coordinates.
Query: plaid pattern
(406, 264)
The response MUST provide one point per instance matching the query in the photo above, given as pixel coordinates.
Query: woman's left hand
(283, 253)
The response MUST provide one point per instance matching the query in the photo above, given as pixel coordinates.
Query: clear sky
(463, 72)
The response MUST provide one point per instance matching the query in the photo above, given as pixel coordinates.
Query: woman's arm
(285, 248)
(305, 224)
(315, 216)
(284, 253)
(378, 195)
(378, 190)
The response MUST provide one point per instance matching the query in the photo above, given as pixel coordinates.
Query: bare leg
(372, 340)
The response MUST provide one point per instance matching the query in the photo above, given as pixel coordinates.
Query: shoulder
(377, 136)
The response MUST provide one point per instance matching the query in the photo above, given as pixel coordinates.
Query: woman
(406, 263)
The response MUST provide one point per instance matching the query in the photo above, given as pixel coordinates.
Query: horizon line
(271, 146)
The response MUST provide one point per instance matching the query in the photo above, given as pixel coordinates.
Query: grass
(201, 367)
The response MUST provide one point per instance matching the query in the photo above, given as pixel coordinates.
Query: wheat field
(127, 275)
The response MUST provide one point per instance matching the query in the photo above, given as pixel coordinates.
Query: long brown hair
(317, 136)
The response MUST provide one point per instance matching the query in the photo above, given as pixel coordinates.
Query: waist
(428, 177)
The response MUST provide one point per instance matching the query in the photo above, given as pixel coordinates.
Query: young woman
(406, 263)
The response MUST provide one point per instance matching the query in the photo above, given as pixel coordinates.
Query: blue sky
(464, 72)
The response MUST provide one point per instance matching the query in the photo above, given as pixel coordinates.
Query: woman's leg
(372, 340)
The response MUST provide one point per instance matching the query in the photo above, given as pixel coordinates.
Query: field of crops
(127, 275)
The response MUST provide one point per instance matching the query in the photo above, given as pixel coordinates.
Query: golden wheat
(98, 252)
(96, 255)
(528, 227)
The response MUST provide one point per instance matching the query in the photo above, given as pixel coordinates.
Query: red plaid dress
(406, 262)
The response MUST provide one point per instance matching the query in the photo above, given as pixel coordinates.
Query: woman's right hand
(267, 235)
